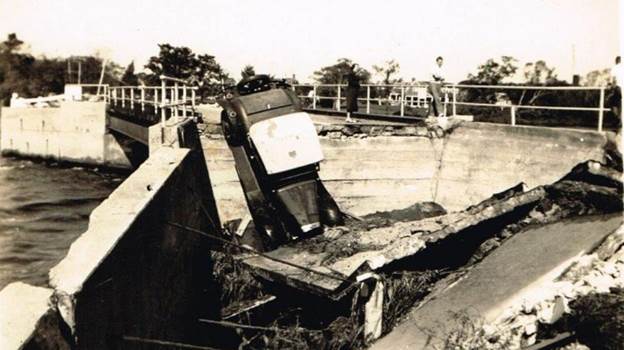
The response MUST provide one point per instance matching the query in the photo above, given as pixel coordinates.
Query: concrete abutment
(133, 273)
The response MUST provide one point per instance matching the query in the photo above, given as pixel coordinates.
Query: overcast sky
(286, 37)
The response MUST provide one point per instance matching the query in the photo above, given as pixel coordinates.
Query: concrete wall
(132, 273)
(405, 165)
(75, 131)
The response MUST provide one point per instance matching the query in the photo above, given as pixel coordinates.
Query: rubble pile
(430, 129)
(590, 188)
(576, 301)
(422, 239)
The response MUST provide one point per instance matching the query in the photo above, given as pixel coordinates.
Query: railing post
(601, 106)
(114, 96)
(142, 99)
(163, 93)
(184, 99)
(445, 103)
(155, 101)
(314, 91)
(193, 99)
(175, 100)
(132, 98)
(367, 99)
(454, 101)
(123, 97)
(402, 101)
(339, 98)
(513, 115)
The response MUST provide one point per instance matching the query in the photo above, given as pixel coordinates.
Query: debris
(393, 244)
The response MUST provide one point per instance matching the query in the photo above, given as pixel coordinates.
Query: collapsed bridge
(103, 292)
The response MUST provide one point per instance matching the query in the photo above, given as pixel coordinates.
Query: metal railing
(416, 96)
(173, 98)
(101, 90)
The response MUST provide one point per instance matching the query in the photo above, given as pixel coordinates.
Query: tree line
(31, 76)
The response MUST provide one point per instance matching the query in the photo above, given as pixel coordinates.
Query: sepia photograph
(327, 175)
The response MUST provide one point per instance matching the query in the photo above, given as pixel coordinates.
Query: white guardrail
(180, 99)
(416, 95)
(173, 94)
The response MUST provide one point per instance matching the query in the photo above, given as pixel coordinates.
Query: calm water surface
(43, 208)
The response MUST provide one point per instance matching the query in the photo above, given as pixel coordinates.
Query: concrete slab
(21, 308)
(525, 263)
(373, 248)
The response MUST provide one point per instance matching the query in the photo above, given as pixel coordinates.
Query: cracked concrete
(463, 167)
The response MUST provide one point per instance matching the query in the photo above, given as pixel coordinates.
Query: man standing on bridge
(353, 91)
(435, 86)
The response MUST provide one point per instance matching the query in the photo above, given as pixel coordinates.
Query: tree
(129, 78)
(248, 71)
(28, 76)
(14, 68)
(386, 70)
(91, 68)
(597, 77)
(12, 43)
(492, 72)
(539, 73)
(335, 73)
(181, 62)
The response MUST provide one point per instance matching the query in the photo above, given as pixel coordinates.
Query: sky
(286, 37)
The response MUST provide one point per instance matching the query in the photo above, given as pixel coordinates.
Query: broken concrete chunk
(385, 245)
(28, 320)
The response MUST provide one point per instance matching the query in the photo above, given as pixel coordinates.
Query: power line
(251, 250)
(166, 343)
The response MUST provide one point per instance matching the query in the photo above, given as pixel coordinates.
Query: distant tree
(11, 44)
(181, 62)
(599, 77)
(539, 73)
(386, 71)
(336, 73)
(46, 76)
(14, 68)
(492, 72)
(248, 71)
(28, 76)
(91, 68)
(129, 78)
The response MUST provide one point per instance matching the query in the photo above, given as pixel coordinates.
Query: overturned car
(277, 154)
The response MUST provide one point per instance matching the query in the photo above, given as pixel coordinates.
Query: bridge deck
(377, 247)
(527, 262)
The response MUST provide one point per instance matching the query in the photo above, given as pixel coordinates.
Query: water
(43, 208)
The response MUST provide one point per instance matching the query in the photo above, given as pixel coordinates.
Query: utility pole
(575, 78)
